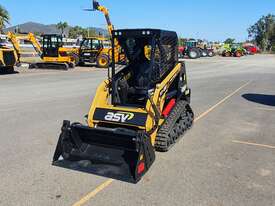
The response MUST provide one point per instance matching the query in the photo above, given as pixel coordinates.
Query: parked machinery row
(55, 56)
(96, 50)
(238, 50)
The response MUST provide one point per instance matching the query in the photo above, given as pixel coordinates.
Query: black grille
(9, 58)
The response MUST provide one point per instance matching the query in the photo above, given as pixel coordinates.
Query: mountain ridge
(36, 27)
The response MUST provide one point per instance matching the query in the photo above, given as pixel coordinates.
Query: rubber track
(178, 122)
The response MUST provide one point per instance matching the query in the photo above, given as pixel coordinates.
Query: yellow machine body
(63, 57)
(97, 50)
(102, 101)
(8, 59)
(143, 106)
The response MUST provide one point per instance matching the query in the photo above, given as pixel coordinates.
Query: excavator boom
(12, 38)
(29, 37)
(35, 43)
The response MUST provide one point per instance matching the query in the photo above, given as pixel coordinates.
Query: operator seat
(135, 90)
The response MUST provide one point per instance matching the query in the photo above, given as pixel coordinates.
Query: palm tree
(4, 18)
(62, 26)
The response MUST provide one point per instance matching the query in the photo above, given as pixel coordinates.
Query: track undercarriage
(176, 124)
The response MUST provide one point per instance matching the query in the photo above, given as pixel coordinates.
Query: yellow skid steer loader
(143, 107)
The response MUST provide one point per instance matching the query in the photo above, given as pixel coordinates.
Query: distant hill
(44, 29)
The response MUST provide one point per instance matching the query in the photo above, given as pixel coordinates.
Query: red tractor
(194, 50)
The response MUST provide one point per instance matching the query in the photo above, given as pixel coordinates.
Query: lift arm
(110, 27)
(35, 43)
(12, 38)
(105, 11)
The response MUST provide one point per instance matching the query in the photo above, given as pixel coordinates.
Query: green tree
(272, 38)
(62, 26)
(263, 31)
(229, 41)
(92, 32)
(182, 41)
(75, 32)
(36, 33)
(4, 18)
(78, 31)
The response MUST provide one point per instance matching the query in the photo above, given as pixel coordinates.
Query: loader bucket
(118, 153)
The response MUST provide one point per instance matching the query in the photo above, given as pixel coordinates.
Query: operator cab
(90, 48)
(4, 44)
(51, 44)
(191, 43)
(150, 54)
(91, 44)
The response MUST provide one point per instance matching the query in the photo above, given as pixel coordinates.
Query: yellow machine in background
(93, 50)
(52, 52)
(55, 55)
(8, 59)
(30, 37)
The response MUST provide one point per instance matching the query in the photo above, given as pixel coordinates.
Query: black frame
(93, 52)
(160, 38)
(50, 48)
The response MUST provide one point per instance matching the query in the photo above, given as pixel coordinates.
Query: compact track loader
(141, 108)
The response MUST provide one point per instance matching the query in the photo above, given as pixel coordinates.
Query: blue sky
(205, 19)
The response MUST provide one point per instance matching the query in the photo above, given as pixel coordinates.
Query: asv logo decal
(119, 116)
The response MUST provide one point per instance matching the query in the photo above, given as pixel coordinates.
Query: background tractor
(237, 50)
(205, 49)
(190, 49)
(194, 50)
(234, 50)
(226, 50)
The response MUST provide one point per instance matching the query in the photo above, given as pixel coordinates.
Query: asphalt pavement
(226, 159)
